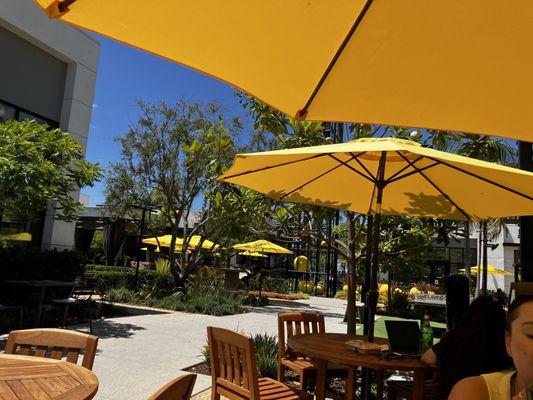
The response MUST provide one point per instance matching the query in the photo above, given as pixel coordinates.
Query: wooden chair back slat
(297, 323)
(57, 353)
(40, 351)
(24, 341)
(233, 365)
(72, 355)
(24, 350)
(177, 389)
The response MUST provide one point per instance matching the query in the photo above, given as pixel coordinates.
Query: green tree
(168, 159)
(39, 165)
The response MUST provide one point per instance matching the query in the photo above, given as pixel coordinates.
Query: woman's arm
(430, 358)
(472, 388)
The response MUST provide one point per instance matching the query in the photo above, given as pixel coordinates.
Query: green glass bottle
(426, 332)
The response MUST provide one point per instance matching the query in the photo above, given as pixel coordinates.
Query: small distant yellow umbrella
(164, 241)
(20, 237)
(195, 241)
(490, 270)
(262, 246)
(252, 254)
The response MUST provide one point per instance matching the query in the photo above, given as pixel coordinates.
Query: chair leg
(304, 380)
(351, 384)
(214, 394)
(379, 385)
(90, 317)
(65, 315)
(281, 373)
(391, 393)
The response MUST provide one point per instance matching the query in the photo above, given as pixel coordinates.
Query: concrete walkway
(138, 354)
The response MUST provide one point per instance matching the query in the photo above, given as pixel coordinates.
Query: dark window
(10, 111)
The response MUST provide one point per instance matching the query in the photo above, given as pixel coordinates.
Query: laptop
(404, 337)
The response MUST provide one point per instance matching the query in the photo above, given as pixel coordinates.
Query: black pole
(373, 293)
(485, 261)
(525, 152)
(368, 265)
(335, 256)
(139, 243)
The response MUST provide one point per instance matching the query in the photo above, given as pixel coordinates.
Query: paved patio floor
(138, 354)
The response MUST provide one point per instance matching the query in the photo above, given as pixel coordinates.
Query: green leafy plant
(162, 266)
(40, 165)
(266, 354)
(119, 295)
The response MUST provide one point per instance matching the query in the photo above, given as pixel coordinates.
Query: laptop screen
(404, 336)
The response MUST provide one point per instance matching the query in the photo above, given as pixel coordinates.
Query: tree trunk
(174, 268)
(351, 309)
(389, 290)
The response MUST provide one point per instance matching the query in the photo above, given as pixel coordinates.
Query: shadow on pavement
(112, 329)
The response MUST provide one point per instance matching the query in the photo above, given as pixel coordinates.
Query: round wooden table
(331, 347)
(25, 377)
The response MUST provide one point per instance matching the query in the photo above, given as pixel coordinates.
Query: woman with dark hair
(476, 347)
(510, 384)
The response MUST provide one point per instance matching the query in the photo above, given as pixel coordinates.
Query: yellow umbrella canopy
(417, 63)
(415, 180)
(262, 246)
(252, 254)
(490, 270)
(164, 241)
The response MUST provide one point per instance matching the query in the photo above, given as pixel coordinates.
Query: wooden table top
(332, 347)
(32, 378)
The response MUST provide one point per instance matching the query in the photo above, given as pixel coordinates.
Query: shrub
(109, 277)
(30, 263)
(279, 285)
(162, 266)
(255, 301)
(399, 301)
(266, 354)
(210, 301)
(119, 295)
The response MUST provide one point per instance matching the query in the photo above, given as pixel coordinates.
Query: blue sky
(126, 74)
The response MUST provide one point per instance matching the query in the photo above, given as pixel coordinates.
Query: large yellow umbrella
(490, 270)
(386, 176)
(262, 246)
(415, 180)
(454, 65)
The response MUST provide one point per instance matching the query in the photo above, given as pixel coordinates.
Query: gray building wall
(48, 68)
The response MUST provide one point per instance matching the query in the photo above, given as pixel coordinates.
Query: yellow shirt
(499, 384)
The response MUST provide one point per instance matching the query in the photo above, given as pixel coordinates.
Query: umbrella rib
(274, 166)
(345, 163)
(65, 4)
(310, 181)
(468, 217)
(391, 178)
(302, 113)
(482, 178)
(372, 177)
(412, 173)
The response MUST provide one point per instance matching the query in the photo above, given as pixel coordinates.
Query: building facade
(47, 73)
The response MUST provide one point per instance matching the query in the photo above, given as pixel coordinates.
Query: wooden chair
(298, 323)
(234, 370)
(53, 343)
(404, 390)
(177, 389)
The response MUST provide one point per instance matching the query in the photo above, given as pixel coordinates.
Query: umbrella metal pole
(368, 266)
(373, 294)
(485, 261)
